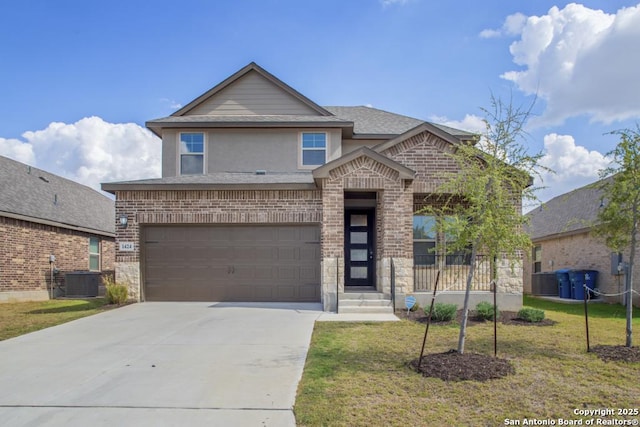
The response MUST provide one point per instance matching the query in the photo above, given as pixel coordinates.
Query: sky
(79, 79)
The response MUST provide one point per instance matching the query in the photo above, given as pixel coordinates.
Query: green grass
(24, 317)
(356, 373)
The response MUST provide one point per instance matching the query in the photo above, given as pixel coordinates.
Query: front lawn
(23, 317)
(356, 373)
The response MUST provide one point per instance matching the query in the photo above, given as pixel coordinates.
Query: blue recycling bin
(564, 285)
(578, 279)
(591, 280)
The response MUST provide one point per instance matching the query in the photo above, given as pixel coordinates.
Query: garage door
(232, 263)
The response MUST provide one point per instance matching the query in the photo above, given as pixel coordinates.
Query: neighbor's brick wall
(581, 251)
(25, 248)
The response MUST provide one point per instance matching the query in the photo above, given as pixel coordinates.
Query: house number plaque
(126, 246)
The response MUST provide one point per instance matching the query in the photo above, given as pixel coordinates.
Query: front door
(359, 241)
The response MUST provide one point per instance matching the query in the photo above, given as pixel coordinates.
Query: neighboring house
(42, 214)
(267, 196)
(560, 231)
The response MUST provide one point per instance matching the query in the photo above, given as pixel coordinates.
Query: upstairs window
(314, 149)
(192, 153)
(94, 254)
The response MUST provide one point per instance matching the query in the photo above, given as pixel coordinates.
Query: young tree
(485, 196)
(618, 219)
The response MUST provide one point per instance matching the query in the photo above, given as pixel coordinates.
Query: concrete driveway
(160, 364)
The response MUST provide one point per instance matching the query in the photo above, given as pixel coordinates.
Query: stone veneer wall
(25, 273)
(204, 207)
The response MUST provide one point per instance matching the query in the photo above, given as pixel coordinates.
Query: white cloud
(574, 166)
(174, 105)
(17, 150)
(89, 151)
(581, 61)
(470, 123)
(512, 26)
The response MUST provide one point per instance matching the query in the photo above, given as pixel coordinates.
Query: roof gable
(324, 171)
(252, 91)
(38, 196)
(572, 212)
(423, 128)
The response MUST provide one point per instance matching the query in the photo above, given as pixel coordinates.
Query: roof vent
(261, 172)
(44, 179)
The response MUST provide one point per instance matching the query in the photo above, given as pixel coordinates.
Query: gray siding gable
(252, 95)
(33, 194)
(252, 90)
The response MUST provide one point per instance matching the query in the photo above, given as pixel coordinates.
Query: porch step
(364, 302)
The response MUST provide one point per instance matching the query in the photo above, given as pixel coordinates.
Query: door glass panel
(358, 220)
(359, 237)
(358, 254)
(358, 272)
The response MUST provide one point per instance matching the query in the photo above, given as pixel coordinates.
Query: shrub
(529, 314)
(484, 310)
(115, 293)
(415, 307)
(442, 312)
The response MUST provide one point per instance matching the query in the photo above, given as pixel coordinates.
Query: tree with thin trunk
(618, 218)
(483, 200)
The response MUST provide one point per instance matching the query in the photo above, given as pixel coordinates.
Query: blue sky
(79, 79)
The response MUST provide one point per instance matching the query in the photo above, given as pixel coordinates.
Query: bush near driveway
(356, 374)
(23, 317)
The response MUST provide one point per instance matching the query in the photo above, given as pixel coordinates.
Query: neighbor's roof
(35, 195)
(571, 212)
(220, 180)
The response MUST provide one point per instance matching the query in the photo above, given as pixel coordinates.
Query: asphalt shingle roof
(214, 178)
(244, 119)
(34, 193)
(572, 211)
(369, 121)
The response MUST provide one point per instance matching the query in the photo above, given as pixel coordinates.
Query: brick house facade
(35, 213)
(561, 234)
(360, 198)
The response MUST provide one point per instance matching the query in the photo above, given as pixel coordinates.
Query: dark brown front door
(359, 247)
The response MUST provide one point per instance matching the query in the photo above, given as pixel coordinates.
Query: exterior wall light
(123, 221)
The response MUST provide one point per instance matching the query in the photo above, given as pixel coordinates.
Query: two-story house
(267, 196)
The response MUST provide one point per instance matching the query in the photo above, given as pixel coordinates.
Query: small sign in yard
(409, 301)
(126, 246)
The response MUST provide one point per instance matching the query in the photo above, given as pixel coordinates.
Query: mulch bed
(617, 353)
(505, 317)
(453, 366)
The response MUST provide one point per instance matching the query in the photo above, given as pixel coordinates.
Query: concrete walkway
(160, 364)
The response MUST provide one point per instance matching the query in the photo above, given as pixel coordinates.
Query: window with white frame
(192, 153)
(314, 148)
(94, 254)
